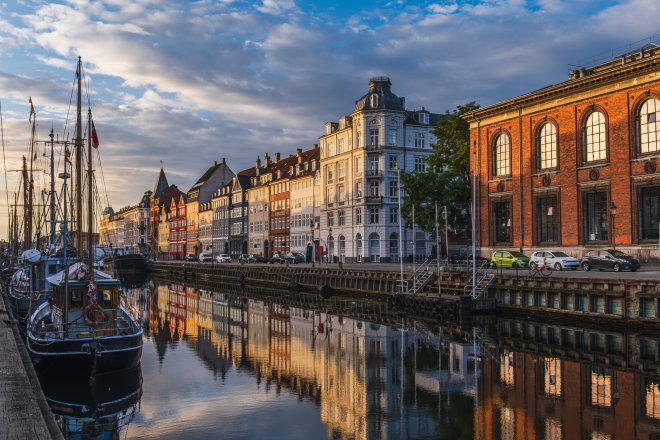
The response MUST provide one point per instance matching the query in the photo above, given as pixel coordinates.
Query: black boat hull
(85, 356)
(135, 262)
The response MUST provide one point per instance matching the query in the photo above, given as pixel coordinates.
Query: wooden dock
(24, 413)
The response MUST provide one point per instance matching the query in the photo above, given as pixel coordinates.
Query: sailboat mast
(79, 150)
(29, 188)
(52, 188)
(26, 208)
(90, 206)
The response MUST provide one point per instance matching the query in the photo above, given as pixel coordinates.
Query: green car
(511, 259)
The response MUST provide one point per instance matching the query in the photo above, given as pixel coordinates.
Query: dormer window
(374, 100)
(423, 118)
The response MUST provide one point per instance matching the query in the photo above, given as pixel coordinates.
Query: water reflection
(102, 408)
(237, 366)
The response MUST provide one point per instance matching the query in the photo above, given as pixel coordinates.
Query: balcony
(372, 200)
(374, 174)
(374, 148)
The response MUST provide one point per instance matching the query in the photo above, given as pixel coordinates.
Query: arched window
(648, 130)
(594, 137)
(502, 155)
(374, 248)
(546, 147)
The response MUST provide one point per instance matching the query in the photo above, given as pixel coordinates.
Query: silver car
(223, 258)
(555, 259)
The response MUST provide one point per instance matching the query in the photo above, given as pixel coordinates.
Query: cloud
(231, 79)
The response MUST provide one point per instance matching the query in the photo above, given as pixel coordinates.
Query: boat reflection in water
(218, 360)
(95, 409)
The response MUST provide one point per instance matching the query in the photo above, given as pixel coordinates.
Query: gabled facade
(238, 209)
(155, 208)
(201, 193)
(220, 206)
(177, 239)
(258, 209)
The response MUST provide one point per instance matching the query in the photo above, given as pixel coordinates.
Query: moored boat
(86, 326)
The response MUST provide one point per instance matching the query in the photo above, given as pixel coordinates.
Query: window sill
(594, 165)
(550, 171)
(646, 156)
(500, 179)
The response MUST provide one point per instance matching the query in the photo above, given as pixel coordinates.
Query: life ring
(95, 315)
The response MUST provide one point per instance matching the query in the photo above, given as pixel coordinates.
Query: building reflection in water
(377, 381)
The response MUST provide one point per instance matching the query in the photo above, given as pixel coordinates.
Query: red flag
(32, 112)
(95, 138)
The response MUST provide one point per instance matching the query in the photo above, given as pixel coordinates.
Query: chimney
(316, 145)
(224, 162)
(277, 157)
(215, 163)
(298, 151)
(266, 161)
(257, 166)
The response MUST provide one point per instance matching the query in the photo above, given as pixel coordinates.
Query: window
(358, 216)
(552, 377)
(420, 164)
(419, 140)
(331, 219)
(648, 130)
(502, 155)
(601, 387)
(340, 218)
(374, 188)
(358, 247)
(394, 163)
(373, 137)
(374, 247)
(594, 137)
(329, 171)
(546, 147)
(502, 219)
(649, 212)
(391, 136)
(394, 215)
(341, 192)
(394, 188)
(595, 216)
(374, 100)
(358, 188)
(394, 246)
(341, 170)
(547, 219)
(373, 165)
(374, 214)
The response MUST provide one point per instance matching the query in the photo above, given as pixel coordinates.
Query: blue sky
(192, 82)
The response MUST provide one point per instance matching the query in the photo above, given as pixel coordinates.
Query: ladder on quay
(484, 278)
(423, 275)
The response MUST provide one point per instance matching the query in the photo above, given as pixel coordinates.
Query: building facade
(305, 192)
(177, 238)
(360, 159)
(220, 206)
(573, 165)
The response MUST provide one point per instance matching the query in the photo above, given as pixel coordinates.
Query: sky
(190, 82)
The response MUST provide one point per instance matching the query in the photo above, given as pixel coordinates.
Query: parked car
(205, 257)
(223, 258)
(294, 258)
(277, 258)
(190, 257)
(555, 259)
(243, 258)
(512, 259)
(609, 259)
(252, 258)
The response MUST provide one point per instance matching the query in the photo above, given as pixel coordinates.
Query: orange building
(573, 165)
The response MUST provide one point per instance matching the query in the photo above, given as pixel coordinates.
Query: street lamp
(613, 213)
(331, 245)
(311, 227)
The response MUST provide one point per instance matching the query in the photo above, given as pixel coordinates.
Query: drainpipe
(520, 176)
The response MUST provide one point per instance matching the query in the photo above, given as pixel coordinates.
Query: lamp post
(311, 227)
(330, 245)
(613, 213)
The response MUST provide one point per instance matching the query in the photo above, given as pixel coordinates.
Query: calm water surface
(220, 365)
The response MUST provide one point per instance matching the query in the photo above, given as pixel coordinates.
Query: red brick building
(177, 238)
(573, 165)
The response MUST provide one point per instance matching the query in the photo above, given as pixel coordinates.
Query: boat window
(76, 299)
(106, 298)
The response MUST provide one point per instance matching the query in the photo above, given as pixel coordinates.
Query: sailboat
(86, 324)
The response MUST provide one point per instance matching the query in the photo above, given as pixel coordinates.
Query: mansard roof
(380, 96)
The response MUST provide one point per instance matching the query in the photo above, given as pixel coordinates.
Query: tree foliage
(446, 179)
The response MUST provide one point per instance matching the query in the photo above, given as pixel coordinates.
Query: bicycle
(535, 269)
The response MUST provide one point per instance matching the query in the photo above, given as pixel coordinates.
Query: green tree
(446, 179)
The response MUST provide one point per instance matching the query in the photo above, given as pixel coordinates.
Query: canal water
(227, 366)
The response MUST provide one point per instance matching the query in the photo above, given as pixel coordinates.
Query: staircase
(423, 275)
(484, 278)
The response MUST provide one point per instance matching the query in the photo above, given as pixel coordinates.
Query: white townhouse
(305, 195)
(360, 156)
